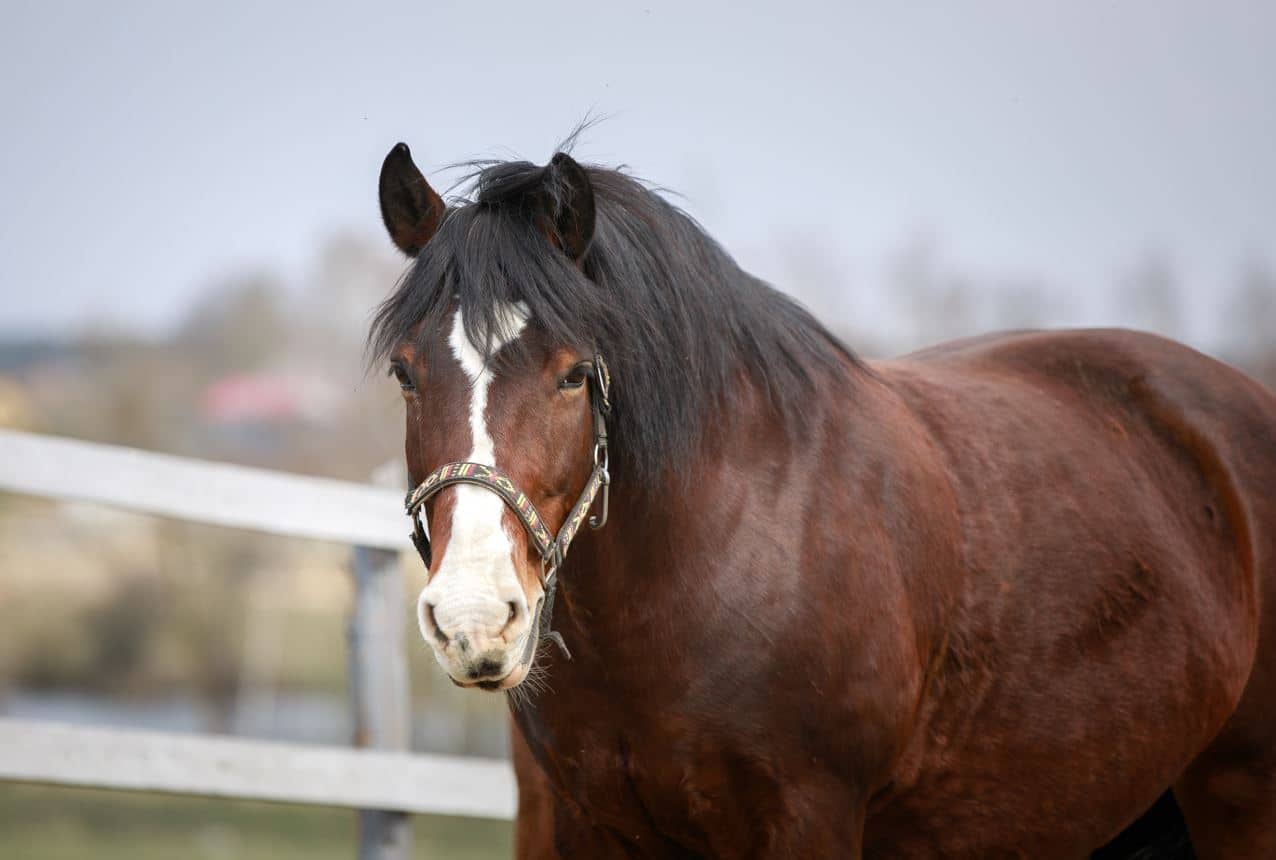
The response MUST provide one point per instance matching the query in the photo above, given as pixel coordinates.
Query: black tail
(1158, 834)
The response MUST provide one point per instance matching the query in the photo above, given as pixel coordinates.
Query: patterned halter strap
(552, 549)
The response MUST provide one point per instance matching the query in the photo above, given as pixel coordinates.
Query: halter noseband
(552, 549)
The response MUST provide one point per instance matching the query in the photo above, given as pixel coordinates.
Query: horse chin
(512, 679)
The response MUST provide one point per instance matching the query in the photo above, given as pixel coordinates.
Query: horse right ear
(410, 208)
(573, 214)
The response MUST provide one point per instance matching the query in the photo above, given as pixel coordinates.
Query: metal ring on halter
(550, 562)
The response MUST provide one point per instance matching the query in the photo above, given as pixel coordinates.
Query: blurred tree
(1021, 303)
(1149, 294)
(937, 305)
(238, 325)
(122, 629)
(353, 274)
(126, 392)
(1250, 321)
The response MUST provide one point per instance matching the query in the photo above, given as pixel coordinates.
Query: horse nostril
(434, 625)
(513, 615)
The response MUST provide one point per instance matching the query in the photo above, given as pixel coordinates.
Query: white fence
(385, 784)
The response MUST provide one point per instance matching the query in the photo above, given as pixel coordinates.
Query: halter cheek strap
(552, 549)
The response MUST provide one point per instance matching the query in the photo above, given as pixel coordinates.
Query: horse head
(505, 439)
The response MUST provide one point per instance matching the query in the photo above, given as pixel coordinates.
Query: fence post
(379, 680)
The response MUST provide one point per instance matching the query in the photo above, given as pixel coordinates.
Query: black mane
(679, 323)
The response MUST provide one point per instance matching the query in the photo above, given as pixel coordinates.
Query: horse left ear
(410, 208)
(573, 212)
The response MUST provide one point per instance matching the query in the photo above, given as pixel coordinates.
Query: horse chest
(661, 793)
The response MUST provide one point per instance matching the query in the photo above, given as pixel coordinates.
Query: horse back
(1206, 417)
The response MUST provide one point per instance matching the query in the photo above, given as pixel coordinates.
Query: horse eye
(400, 373)
(575, 377)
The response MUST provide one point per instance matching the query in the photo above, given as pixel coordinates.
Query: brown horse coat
(1021, 588)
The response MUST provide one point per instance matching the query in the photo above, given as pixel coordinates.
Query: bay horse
(990, 599)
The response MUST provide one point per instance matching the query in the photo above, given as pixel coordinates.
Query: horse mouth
(511, 679)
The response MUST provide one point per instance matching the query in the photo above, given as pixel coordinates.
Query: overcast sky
(151, 148)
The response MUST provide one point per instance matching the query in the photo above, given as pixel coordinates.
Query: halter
(552, 549)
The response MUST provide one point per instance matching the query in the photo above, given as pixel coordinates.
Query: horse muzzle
(486, 642)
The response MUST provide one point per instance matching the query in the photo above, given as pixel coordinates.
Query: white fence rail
(63, 754)
(200, 491)
(384, 785)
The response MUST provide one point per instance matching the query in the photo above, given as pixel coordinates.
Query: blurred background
(190, 250)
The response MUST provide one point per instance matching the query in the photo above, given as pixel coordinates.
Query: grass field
(44, 823)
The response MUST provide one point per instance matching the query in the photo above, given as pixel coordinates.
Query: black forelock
(679, 323)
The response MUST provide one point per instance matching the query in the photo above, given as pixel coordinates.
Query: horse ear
(410, 208)
(574, 215)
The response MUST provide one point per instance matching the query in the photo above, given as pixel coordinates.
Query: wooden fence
(381, 779)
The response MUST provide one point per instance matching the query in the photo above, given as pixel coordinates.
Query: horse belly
(1052, 752)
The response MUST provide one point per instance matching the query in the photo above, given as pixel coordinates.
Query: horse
(1000, 597)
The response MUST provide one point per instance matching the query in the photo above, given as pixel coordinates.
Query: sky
(150, 149)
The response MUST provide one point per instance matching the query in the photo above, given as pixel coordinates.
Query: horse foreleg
(534, 824)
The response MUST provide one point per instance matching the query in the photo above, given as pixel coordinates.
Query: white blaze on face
(476, 579)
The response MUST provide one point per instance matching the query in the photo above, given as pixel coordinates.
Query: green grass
(46, 823)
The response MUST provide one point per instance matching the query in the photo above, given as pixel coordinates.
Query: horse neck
(639, 583)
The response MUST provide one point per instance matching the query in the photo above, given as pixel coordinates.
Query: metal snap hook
(604, 481)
